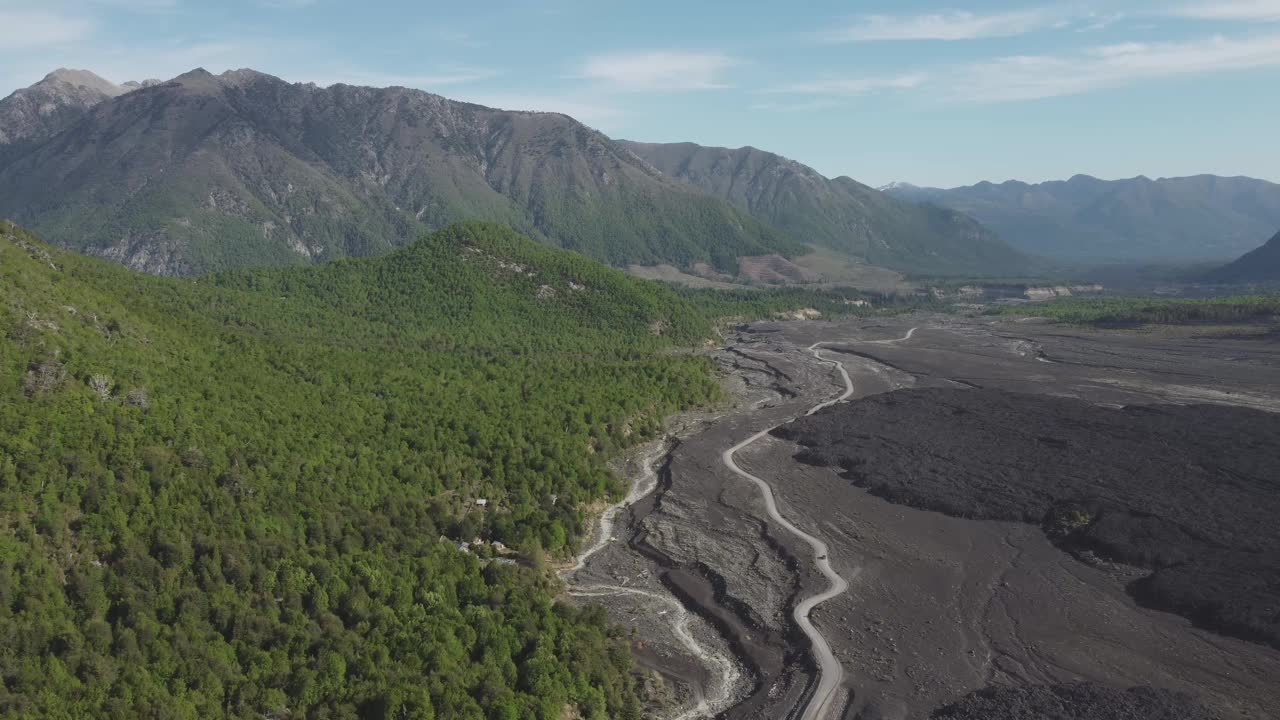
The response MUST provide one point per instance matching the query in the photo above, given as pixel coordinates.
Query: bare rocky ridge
(40, 111)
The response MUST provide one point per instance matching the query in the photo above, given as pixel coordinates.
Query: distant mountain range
(839, 213)
(1260, 266)
(1201, 217)
(204, 172)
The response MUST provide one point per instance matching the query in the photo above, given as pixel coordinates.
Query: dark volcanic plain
(1088, 479)
(1189, 491)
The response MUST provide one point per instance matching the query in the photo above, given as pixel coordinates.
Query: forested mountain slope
(1256, 266)
(208, 172)
(842, 213)
(242, 496)
(1203, 216)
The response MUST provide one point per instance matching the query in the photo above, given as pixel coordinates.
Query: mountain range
(1200, 217)
(838, 213)
(205, 172)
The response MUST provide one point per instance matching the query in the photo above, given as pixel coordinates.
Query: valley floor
(937, 606)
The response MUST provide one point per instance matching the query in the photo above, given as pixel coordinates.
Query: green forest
(243, 495)
(1155, 311)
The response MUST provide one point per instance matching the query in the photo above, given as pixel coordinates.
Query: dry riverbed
(937, 606)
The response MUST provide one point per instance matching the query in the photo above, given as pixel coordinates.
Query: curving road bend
(830, 672)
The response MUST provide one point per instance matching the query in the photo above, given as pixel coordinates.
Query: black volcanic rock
(204, 172)
(839, 213)
(1191, 492)
(1081, 701)
(1261, 266)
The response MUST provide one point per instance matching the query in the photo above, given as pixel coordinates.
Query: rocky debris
(1191, 492)
(801, 314)
(1082, 701)
(1040, 294)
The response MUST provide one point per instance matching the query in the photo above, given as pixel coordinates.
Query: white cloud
(28, 29)
(658, 70)
(1029, 77)
(1092, 21)
(1231, 10)
(856, 85)
(957, 25)
(587, 111)
(1042, 76)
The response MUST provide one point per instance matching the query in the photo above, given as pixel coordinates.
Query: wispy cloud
(1111, 66)
(856, 85)
(27, 29)
(1092, 21)
(1029, 77)
(660, 70)
(1231, 10)
(956, 25)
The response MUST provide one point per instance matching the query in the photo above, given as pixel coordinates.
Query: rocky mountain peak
(244, 76)
(36, 112)
(81, 79)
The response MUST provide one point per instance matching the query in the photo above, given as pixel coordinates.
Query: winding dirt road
(830, 672)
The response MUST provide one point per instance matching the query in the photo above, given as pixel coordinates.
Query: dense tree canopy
(1157, 311)
(243, 495)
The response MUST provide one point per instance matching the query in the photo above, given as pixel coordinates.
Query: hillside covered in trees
(243, 496)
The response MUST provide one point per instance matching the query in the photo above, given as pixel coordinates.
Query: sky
(932, 93)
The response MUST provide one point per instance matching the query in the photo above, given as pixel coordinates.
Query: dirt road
(830, 672)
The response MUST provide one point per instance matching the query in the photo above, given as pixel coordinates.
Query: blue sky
(927, 92)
